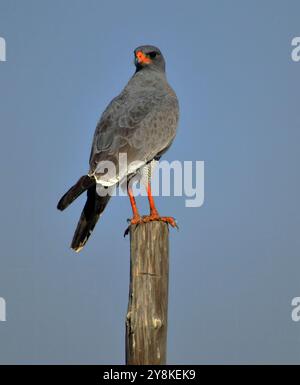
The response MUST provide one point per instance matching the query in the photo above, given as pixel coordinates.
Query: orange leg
(136, 216)
(153, 210)
(154, 215)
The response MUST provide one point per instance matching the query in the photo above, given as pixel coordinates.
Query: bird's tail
(91, 212)
(83, 184)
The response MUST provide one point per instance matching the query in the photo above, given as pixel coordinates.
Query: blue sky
(234, 264)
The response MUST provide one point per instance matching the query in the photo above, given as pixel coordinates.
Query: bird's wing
(139, 127)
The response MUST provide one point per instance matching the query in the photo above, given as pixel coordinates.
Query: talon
(136, 220)
(150, 218)
(171, 221)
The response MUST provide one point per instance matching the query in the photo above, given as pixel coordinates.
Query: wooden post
(146, 322)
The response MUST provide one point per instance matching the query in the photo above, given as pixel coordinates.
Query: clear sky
(234, 264)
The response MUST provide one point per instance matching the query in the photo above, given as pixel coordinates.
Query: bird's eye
(152, 54)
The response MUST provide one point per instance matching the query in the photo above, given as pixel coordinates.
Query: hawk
(141, 123)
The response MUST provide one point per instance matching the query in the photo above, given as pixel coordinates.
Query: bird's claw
(151, 218)
(133, 221)
(170, 221)
(176, 224)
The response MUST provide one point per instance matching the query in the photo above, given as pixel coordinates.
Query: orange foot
(136, 220)
(150, 218)
(155, 217)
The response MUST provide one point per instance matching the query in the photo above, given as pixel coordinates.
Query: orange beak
(141, 58)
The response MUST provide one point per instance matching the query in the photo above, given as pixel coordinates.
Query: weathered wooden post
(147, 316)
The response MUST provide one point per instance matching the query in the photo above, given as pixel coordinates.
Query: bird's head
(148, 56)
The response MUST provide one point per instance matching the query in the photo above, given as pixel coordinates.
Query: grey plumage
(141, 123)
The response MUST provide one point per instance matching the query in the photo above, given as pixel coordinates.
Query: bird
(141, 122)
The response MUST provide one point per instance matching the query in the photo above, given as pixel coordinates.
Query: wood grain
(146, 322)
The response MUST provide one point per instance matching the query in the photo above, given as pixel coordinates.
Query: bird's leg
(154, 215)
(136, 218)
(153, 210)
